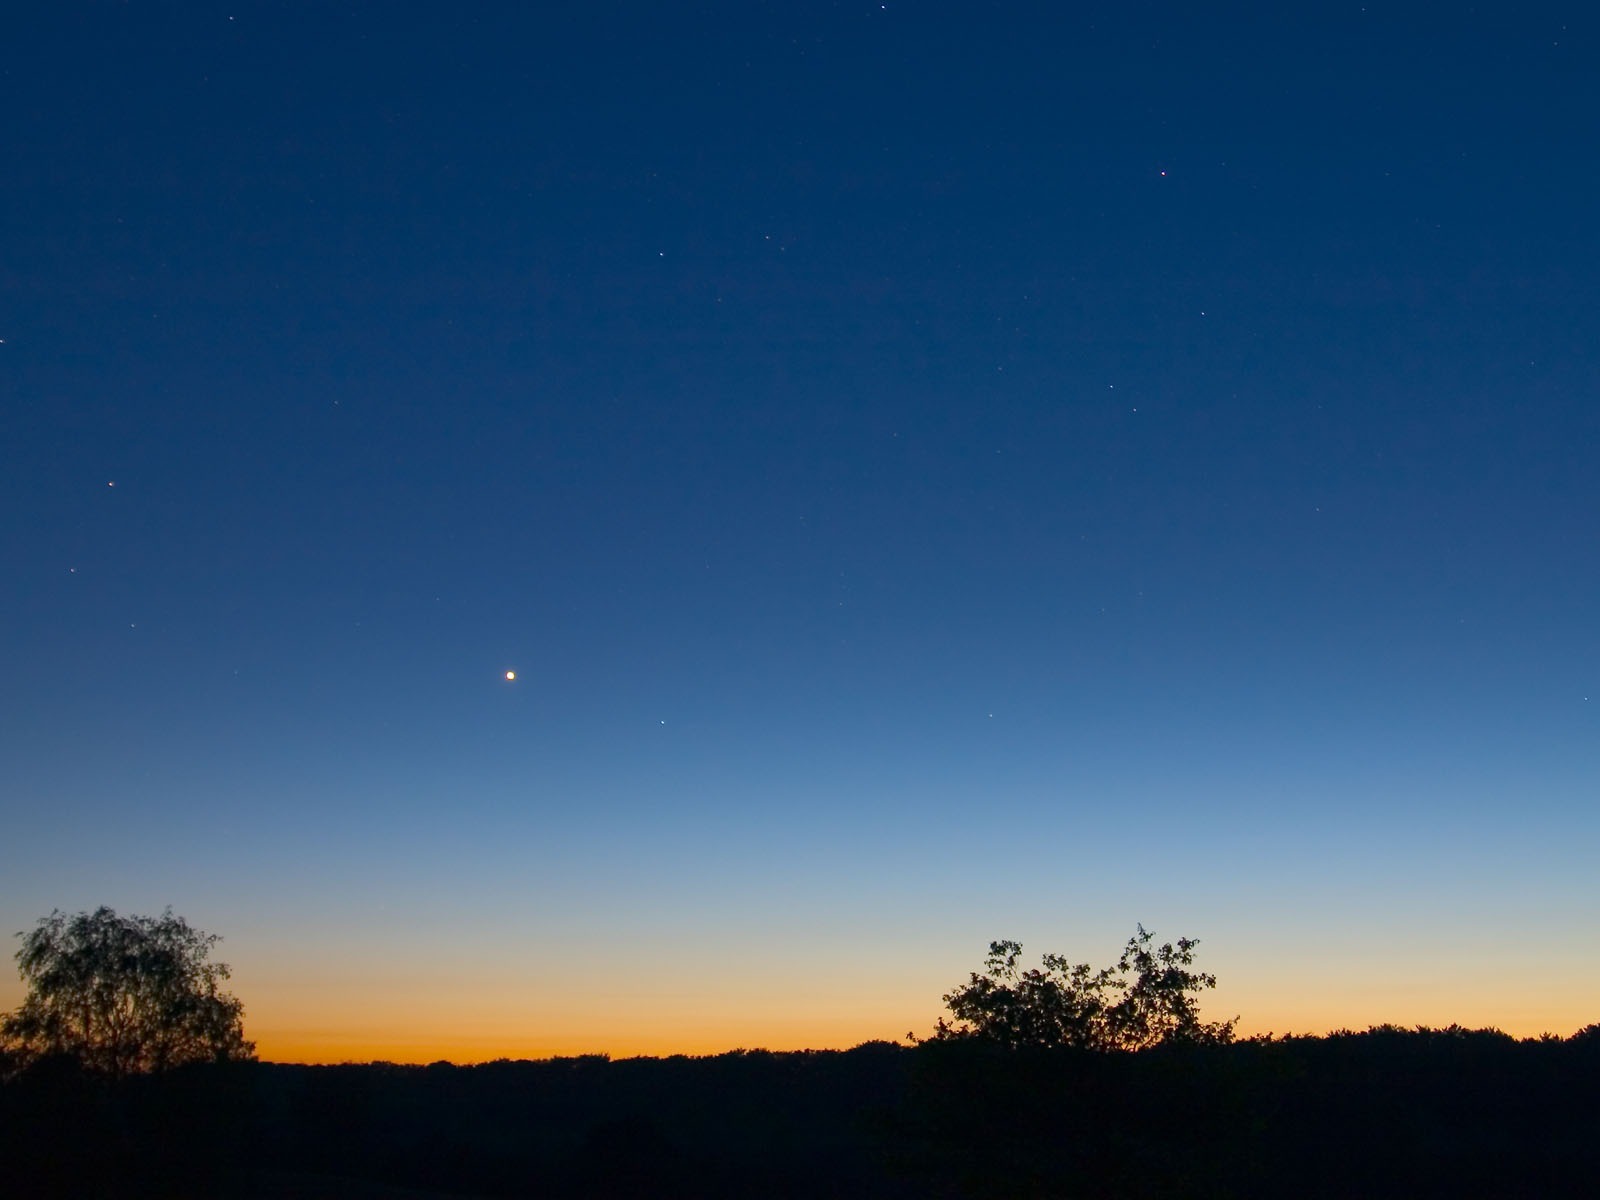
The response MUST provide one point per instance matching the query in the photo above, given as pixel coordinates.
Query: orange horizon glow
(389, 1003)
(424, 1018)
(317, 1048)
(304, 1019)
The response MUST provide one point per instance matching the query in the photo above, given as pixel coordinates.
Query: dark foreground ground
(1385, 1113)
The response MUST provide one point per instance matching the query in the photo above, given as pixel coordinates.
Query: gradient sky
(939, 472)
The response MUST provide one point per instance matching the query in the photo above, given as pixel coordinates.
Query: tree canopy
(124, 995)
(1148, 998)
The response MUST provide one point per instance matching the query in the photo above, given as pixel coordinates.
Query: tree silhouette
(1146, 999)
(124, 995)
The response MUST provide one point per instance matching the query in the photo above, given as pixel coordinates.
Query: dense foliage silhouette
(1148, 998)
(123, 995)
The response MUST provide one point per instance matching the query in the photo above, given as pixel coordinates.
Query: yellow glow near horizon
(392, 1040)
(381, 1005)
(318, 1047)
(428, 1024)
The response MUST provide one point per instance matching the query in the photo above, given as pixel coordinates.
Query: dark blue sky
(1143, 460)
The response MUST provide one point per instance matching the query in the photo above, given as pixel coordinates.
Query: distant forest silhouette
(1058, 1081)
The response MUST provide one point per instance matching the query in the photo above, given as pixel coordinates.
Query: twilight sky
(939, 472)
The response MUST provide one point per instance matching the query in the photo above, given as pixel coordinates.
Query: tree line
(128, 1073)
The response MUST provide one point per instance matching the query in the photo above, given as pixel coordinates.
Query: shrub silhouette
(123, 995)
(1148, 998)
